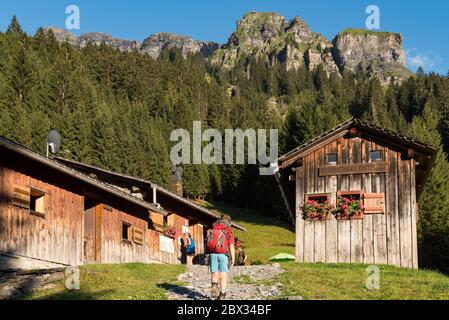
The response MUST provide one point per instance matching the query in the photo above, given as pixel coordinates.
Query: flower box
(359, 216)
(317, 207)
(349, 206)
(170, 232)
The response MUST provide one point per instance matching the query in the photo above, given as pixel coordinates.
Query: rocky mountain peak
(300, 29)
(153, 45)
(271, 37)
(380, 53)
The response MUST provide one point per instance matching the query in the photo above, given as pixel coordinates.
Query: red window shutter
(374, 203)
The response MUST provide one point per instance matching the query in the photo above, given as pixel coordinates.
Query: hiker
(242, 258)
(220, 246)
(190, 248)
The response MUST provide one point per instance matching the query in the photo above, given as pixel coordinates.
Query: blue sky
(424, 24)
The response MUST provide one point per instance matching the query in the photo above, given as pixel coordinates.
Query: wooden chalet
(181, 213)
(383, 170)
(51, 211)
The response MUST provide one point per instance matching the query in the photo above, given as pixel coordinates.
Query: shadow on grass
(71, 295)
(185, 292)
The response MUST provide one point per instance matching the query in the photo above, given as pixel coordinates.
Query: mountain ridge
(275, 39)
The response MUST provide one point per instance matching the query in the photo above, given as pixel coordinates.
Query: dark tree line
(117, 110)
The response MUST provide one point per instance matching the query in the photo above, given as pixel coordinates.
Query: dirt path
(245, 283)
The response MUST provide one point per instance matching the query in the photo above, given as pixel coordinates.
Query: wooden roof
(138, 181)
(424, 153)
(21, 150)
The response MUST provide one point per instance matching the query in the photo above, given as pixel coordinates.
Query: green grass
(366, 32)
(264, 236)
(117, 282)
(348, 282)
(245, 279)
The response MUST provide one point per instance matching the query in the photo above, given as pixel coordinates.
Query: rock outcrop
(377, 53)
(272, 37)
(153, 45)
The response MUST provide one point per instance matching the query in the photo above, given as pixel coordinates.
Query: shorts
(218, 262)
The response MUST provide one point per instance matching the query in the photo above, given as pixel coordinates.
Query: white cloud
(428, 61)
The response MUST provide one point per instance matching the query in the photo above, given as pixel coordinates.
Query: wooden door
(92, 234)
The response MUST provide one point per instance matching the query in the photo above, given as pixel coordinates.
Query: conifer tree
(433, 226)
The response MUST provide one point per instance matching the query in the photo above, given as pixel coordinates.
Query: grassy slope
(348, 282)
(264, 238)
(117, 282)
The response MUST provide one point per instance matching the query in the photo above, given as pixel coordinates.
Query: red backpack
(218, 239)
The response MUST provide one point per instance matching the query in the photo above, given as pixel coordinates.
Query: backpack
(218, 238)
(191, 247)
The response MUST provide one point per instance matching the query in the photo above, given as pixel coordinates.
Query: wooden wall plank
(392, 210)
(379, 221)
(299, 248)
(413, 212)
(405, 214)
(356, 184)
(368, 240)
(309, 226)
(331, 225)
(344, 226)
(320, 226)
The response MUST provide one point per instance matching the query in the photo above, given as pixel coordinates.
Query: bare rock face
(272, 37)
(98, 38)
(154, 44)
(95, 38)
(377, 53)
(62, 35)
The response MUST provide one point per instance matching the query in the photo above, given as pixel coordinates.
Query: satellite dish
(53, 142)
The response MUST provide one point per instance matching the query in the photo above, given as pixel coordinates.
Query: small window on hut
(126, 231)
(320, 198)
(376, 155)
(37, 202)
(331, 158)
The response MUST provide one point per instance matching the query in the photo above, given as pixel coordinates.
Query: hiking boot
(215, 291)
(222, 296)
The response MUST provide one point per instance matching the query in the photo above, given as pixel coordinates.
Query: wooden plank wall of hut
(114, 249)
(388, 238)
(57, 237)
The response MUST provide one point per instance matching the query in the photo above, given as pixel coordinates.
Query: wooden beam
(284, 196)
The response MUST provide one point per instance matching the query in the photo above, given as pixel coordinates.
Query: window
(31, 199)
(376, 155)
(320, 198)
(126, 231)
(331, 158)
(356, 195)
(37, 201)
